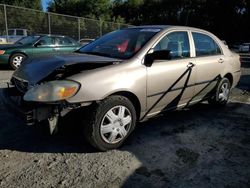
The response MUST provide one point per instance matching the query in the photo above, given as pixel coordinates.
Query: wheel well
(133, 98)
(16, 53)
(230, 78)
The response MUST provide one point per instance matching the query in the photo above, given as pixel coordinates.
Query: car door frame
(154, 109)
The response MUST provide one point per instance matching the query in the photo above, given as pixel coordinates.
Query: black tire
(94, 117)
(14, 64)
(216, 99)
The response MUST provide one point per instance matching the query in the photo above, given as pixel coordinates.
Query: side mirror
(156, 55)
(38, 44)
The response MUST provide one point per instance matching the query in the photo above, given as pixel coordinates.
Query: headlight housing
(2, 52)
(52, 91)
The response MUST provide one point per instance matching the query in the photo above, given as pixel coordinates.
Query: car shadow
(5, 67)
(245, 64)
(188, 147)
(16, 135)
(244, 83)
(178, 139)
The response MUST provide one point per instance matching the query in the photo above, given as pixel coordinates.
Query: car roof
(51, 35)
(150, 26)
(17, 29)
(164, 27)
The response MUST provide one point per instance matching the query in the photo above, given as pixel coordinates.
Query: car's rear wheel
(221, 96)
(109, 122)
(16, 60)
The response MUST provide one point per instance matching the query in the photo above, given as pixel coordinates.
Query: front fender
(99, 83)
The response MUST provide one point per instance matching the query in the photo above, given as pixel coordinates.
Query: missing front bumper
(31, 113)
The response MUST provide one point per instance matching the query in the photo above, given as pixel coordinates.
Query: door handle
(221, 60)
(190, 64)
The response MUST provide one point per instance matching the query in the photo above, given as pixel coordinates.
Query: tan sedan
(127, 76)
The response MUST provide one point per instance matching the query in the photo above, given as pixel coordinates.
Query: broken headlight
(52, 91)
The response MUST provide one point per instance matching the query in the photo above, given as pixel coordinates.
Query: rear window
(64, 41)
(205, 45)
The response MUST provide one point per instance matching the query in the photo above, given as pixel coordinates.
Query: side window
(19, 32)
(63, 41)
(205, 45)
(11, 32)
(176, 43)
(47, 41)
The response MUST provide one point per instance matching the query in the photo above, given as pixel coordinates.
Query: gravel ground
(197, 147)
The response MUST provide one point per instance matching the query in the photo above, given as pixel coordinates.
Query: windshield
(122, 44)
(28, 39)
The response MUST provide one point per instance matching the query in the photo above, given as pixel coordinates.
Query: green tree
(34, 4)
(229, 19)
(83, 8)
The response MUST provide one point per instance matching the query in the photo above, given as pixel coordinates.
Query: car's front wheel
(16, 60)
(110, 122)
(222, 92)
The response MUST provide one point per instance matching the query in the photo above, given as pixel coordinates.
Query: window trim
(209, 35)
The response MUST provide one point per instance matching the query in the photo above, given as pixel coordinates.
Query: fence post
(79, 28)
(100, 27)
(6, 23)
(49, 23)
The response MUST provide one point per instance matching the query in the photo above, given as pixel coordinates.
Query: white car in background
(3, 40)
(245, 47)
(13, 35)
(85, 41)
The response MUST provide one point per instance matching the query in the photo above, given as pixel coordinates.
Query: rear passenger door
(66, 45)
(209, 63)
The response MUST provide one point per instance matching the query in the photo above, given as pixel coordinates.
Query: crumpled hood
(34, 70)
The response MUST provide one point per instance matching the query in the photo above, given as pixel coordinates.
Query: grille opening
(21, 85)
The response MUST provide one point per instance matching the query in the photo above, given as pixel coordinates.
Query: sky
(45, 4)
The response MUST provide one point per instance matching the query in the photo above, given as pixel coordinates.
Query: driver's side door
(170, 83)
(45, 46)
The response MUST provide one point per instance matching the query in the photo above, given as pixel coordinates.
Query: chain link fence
(37, 22)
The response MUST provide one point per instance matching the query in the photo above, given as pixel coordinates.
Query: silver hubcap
(17, 61)
(116, 124)
(224, 92)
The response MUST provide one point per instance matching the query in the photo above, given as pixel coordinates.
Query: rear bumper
(31, 113)
(4, 59)
(236, 78)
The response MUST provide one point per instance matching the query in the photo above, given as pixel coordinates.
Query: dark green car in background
(36, 45)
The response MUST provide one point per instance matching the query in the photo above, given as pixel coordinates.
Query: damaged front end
(33, 112)
(39, 91)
